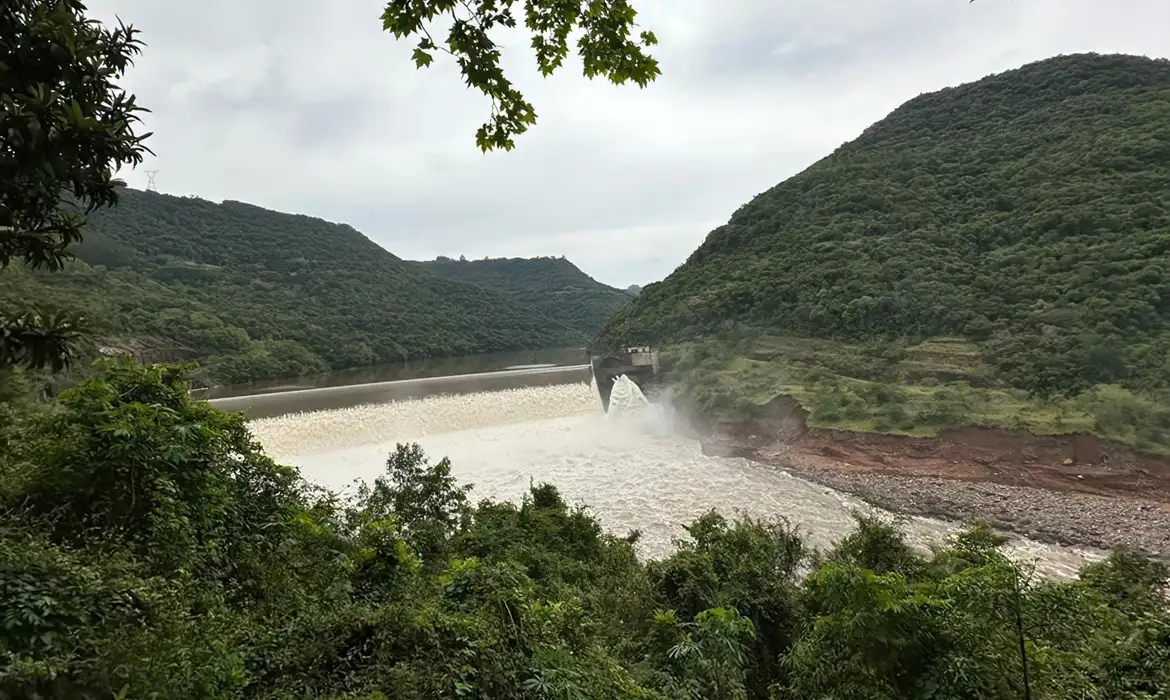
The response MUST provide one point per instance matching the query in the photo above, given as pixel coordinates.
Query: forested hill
(1029, 211)
(553, 287)
(254, 293)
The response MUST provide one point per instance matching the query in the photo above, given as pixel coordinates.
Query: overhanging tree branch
(66, 128)
(607, 47)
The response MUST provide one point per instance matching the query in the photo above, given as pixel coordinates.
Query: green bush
(1119, 414)
(148, 548)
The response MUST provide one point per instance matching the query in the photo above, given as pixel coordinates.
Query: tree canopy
(1027, 211)
(606, 45)
(67, 128)
(252, 293)
(554, 287)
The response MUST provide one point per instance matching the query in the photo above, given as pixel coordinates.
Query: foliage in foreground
(148, 548)
(67, 129)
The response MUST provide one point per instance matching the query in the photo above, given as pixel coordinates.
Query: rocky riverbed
(1068, 489)
(1048, 516)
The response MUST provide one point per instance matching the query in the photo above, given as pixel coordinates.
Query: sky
(309, 107)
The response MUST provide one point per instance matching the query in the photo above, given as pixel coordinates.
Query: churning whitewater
(629, 465)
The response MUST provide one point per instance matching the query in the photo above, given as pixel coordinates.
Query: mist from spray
(631, 466)
(626, 398)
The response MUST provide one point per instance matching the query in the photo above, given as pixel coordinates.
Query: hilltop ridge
(1028, 212)
(252, 293)
(553, 287)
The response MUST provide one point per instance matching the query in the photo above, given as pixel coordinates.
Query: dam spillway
(630, 466)
(278, 403)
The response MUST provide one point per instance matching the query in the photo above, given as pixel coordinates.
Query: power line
(150, 186)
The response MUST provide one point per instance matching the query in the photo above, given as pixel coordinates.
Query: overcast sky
(308, 107)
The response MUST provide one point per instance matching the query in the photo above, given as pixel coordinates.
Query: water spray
(635, 365)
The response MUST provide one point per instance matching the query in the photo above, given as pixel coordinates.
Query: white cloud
(309, 107)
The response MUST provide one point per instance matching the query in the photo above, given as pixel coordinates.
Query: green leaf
(422, 59)
(608, 48)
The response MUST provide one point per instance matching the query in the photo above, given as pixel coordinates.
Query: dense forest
(253, 293)
(151, 549)
(554, 287)
(1028, 211)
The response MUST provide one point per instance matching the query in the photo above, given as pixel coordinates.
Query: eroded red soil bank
(1075, 489)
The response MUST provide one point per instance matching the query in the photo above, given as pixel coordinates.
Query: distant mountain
(1028, 211)
(634, 290)
(254, 293)
(552, 287)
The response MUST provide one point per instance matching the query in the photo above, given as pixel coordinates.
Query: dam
(505, 430)
(277, 403)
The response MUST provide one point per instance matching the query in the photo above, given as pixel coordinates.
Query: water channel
(630, 466)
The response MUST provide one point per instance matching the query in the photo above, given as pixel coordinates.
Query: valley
(899, 429)
(252, 294)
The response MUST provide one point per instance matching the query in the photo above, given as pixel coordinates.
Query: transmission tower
(150, 187)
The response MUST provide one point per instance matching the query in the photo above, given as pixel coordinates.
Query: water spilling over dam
(629, 465)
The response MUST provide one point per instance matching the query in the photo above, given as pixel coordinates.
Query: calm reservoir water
(413, 369)
(629, 465)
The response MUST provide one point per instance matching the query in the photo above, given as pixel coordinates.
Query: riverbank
(1065, 489)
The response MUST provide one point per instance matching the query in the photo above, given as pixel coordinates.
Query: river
(629, 466)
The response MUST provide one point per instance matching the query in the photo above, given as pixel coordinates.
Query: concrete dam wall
(328, 398)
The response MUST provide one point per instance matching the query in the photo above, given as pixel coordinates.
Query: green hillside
(1028, 212)
(553, 287)
(255, 293)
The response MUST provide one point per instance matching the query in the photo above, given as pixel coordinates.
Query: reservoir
(412, 369)
(504, 430)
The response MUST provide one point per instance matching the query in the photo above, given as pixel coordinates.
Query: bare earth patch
(1071, 489)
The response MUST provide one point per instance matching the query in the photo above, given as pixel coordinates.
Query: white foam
(629, 465)
(295, 434)
(626, 397)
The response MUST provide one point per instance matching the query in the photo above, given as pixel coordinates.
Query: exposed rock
(1068, 489)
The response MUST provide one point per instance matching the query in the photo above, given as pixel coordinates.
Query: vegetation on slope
(148, 548)
(919, 389)
(554, 287)
(1028, 212)
(255, 293)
